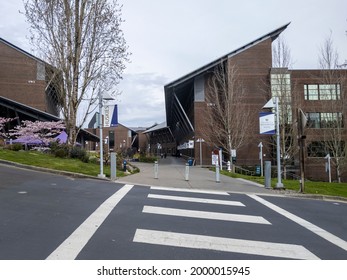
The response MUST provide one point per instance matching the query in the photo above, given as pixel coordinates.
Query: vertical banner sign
(267, 123)
(111, 115)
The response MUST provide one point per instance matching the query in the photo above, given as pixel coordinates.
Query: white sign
(267, 123)
(233, 153)
(214, 159)
(111, 116)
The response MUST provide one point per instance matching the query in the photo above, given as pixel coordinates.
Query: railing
(244, 171)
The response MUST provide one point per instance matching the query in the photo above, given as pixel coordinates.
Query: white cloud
(142, 100)
(169, 39)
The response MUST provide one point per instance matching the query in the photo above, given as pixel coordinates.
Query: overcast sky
(169, 39)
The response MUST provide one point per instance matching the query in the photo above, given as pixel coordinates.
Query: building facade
(27, 90)
(321, 99)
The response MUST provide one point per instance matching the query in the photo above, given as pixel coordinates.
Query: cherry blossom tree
(38, 131)
(3, 121)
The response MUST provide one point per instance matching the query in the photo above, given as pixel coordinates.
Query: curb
(79, 175)
(54, 171)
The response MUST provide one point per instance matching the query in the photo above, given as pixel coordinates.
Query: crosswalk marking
(195, 199)
(189, 190)
(315, 229)
(204, 215)
(73, 245)
(223, 244)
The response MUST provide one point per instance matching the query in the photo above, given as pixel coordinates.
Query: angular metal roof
(273, 35)
(176, 99)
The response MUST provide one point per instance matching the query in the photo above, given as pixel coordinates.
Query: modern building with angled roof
(186, 105)
(27, 90)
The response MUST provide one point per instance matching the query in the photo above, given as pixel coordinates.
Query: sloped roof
(273, 35)
(22, 51)
(156, 127)
(37, 114)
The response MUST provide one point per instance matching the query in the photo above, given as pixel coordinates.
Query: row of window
(321, 148)
(324, 120)
(322, 92)
(281, 87)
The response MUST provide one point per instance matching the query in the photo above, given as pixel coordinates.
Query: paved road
(47, 216)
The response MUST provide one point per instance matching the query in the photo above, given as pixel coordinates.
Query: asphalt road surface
(48, 216)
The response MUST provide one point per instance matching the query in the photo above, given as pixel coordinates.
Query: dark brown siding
(18, 78)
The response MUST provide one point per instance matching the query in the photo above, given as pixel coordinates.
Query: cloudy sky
(169, 39)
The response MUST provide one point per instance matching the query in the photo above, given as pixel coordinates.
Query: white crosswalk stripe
(205, 215)
(196, 241)
(197, 200)
(223, 244)
(189, 190)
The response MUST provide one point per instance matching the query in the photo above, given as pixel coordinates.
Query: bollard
(217, 173)
(267, 174)
(156, 169)
(229, 166)
(113, 166)
(187, 172)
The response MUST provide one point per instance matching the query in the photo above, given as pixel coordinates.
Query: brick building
(27, 90)
(26, 79)
(308, 90)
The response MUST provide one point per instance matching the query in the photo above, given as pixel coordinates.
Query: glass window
(324, 120)
(322, 92)
(281, 88)
(313, 92)
(313, 120)
(317, 149)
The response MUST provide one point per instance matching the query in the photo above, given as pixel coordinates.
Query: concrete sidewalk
(171, 173)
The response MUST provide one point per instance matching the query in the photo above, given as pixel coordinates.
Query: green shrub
(59, 150)
(143, 158)
(15, 147)
(61, 153)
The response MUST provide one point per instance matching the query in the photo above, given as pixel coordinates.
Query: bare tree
(332, 106)
(227, 114)
(282, 89)
(83, 40)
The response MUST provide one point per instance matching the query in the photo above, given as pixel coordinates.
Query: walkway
(171, 173)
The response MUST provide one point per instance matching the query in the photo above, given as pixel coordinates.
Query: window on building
(281, 88)
(324, 120)
(317, 149)
(322, 92)
(321, 148)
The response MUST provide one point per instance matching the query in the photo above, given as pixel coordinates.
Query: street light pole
(200, 141)
(279, 184)
(101, 175)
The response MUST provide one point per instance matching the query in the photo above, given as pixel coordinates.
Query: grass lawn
(320, 188)
(49, 161)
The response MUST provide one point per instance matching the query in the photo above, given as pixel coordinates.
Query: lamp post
(200, 140)
(101, 98)
(273, 103)
(279, 184)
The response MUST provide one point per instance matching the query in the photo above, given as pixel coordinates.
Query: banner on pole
(111, 116)
(267, 123)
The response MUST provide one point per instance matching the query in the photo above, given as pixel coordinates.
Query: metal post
(217, 173)
(261, 159)
(200, 141)
(200, 154)
(279, 184)
(101, 175)
(113, 166)
(267, 174)
(328, 166)
(187, 172)
(156, 169)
